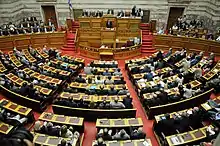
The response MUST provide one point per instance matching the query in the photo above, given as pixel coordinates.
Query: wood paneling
(56, 39)
(165, 42)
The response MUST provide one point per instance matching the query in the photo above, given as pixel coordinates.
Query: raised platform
(117, 54)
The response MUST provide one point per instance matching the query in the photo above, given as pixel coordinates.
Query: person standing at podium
(109, 24)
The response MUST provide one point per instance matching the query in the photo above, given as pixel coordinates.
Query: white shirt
(187, 93)
(218, 39)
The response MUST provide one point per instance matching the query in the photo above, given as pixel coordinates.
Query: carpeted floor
(89, 127)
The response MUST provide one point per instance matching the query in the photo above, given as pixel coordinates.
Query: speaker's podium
(106, 54)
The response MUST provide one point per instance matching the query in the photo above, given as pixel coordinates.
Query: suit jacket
(127, 102)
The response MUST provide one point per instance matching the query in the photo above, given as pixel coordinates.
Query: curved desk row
(180, 105)
(56, 39)
(22, 100)
(93, 114)
(165, 42)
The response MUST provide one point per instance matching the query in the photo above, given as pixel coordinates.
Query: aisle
(148, 124)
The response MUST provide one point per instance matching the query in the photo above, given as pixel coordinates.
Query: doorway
(175, 13)
(146, 16)
(50, 13)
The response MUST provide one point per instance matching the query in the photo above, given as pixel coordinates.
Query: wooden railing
(165, 42)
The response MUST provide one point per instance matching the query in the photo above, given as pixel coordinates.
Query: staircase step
(148, 51)
(70, 44)
(147, 43)
(68, 49)
(146, 46)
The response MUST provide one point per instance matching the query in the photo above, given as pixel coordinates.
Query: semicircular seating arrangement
(61, 97)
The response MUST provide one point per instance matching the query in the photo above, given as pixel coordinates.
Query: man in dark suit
(80, 79)
(127, 101)
(24, 89)
(51, 130)
(109, 24)
(102, 91)
(112, 91)
(133, 11)
(137, 133)
(121, 81)
(165, 125)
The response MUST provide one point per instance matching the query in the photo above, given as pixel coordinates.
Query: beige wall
(207, 10)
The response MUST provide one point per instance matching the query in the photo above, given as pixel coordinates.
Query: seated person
(123, 91)
(105, 134)
(99, 80)
(65, 132)
(102, 91)
(116, 104)
(117, 72)
(137, 133)
(112, 91)
(100, 142)
(187, 91)
(40, 128)
(121, 135)
(121, 81)
(80, 79)
(127, 101)
(63, 142)
(104, 105)
(198, 72)
(106, 73)
(109, 80)
(52, 130)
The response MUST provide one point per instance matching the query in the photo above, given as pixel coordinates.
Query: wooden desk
(64, 120)
(94, 98)
(112, 123)
(126, 143)
(55, 70)
(106, 55)
(208, 107)
(20, 82)
(21, 110)
(161, 71)
(14, 59)
(76, 60)
(64, 64)
(99, 63)
(93, 114)
(208, 76)
(85, 76)
(5, 128)
(180, 105)
(41, 53)
(95, 86)
(29, 57)
(187, 137)
(46, 140)
(22, 100)
(2, 68)
(42, 77)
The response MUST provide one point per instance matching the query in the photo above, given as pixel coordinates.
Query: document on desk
(175, 140)
(207, 106)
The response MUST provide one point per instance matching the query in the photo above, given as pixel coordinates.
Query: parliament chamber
(120, 75)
